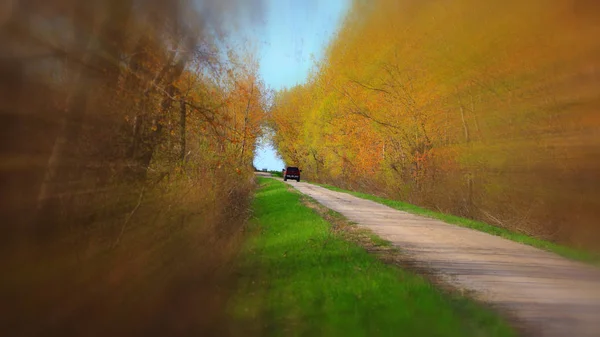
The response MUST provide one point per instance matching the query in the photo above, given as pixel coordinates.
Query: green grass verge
(568, 252)
(276, 174)
(299, 278)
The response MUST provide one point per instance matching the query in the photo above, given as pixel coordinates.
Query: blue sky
(292, 33)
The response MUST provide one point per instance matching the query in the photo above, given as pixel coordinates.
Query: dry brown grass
(165, 274)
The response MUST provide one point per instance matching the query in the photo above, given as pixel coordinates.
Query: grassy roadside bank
(276, 174)
(298, 277)
(568, 252)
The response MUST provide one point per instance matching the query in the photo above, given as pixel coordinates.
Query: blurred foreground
(127, 140)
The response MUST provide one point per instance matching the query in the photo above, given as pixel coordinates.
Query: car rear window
(292, 169)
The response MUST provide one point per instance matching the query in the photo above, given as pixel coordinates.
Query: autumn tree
(473, 108)
(127, 137)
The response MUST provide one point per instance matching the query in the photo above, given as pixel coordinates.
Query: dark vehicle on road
(291, 173)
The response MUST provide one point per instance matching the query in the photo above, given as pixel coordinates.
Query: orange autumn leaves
(481, 109)
(227, 110)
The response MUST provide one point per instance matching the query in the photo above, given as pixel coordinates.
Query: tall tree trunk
(142, 115)
(464, 121)
(246, 124)
(60, 165)
(101, 70)
(477, 129)
(148, 149)
(14, 92)
(469, 174)
(182, 125)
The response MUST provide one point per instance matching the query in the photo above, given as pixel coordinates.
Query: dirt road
(549, 295)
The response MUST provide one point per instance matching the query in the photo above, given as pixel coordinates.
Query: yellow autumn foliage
(483, 109)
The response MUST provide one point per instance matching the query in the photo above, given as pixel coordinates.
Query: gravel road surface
(547, 294)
